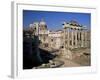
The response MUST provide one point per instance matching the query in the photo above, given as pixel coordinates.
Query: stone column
(79, 37)
(82, 38)
(67, 53)
(64, 37)
(75, 38)
(88, 39)
(85, 33)
(68, 39)
(72, 36)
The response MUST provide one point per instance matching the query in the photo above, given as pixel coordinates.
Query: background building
(73, 35)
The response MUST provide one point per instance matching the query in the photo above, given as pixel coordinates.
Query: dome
(30, 25)
(73, 22)
(42, 22)
(43, 25)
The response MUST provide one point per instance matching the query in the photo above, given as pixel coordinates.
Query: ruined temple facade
(72, 35)
(76, 35)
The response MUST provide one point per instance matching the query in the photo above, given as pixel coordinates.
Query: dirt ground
(81, 57)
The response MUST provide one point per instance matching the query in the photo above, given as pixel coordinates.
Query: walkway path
(69, 63)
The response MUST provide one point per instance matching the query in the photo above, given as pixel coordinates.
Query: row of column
(76, 38)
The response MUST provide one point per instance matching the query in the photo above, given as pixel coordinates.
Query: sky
(54, 20)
